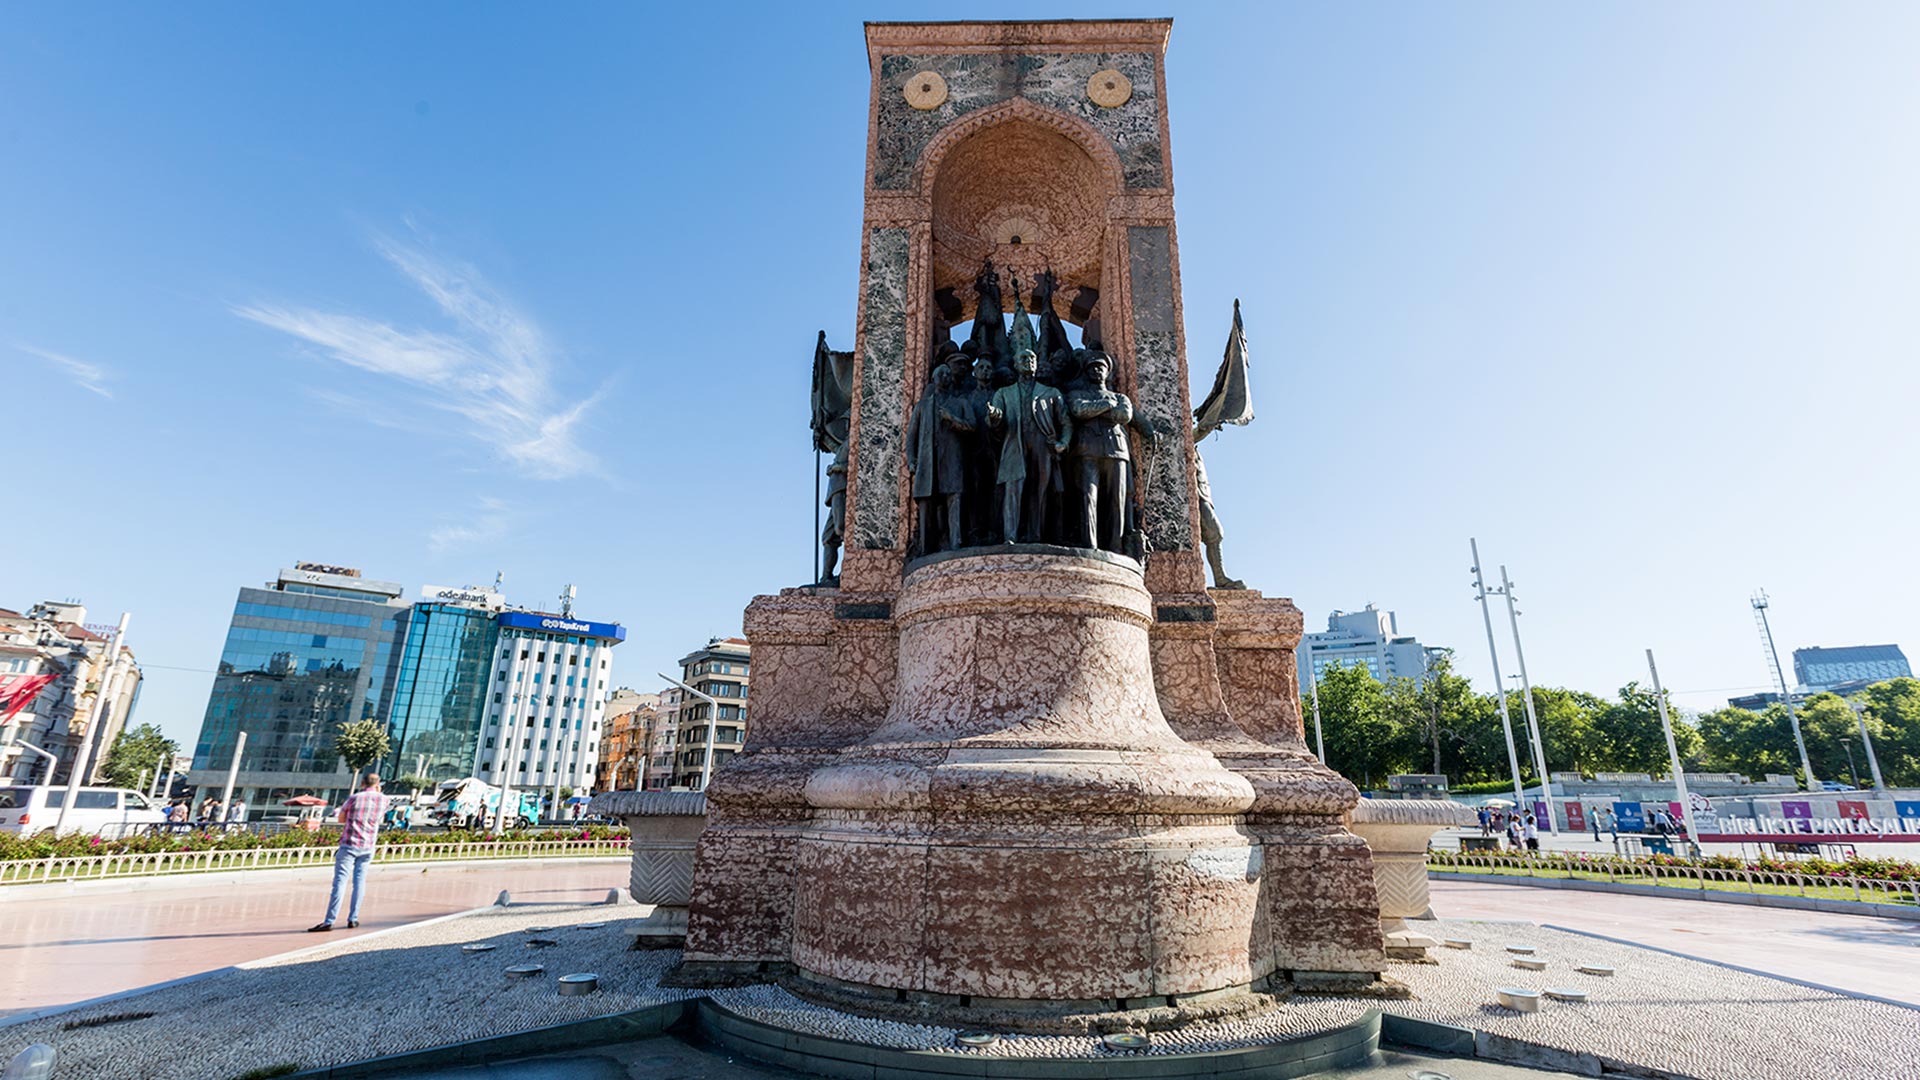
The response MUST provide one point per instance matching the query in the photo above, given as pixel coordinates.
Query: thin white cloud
(90, 377)
(495, 368)
(487, 522)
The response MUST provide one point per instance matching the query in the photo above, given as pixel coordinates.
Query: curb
(41, 890)
(1714, 896)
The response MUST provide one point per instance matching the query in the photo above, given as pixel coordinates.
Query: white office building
(1370, 638)
(550, 678)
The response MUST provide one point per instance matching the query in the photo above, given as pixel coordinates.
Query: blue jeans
(348, 861)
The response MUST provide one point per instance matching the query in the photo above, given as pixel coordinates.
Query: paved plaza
(417, 987)
(68, 944)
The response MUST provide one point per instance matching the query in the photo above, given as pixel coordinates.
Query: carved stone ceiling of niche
(1025, 196)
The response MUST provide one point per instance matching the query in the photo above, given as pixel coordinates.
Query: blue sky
(1628, 291)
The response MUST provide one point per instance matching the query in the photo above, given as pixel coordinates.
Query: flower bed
(46, 845)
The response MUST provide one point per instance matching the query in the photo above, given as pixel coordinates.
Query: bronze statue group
(1019, 438)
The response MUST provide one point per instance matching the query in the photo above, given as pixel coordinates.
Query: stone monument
(1033, 777)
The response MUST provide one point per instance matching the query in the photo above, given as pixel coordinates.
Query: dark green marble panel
(1055, 80)
(883, 367)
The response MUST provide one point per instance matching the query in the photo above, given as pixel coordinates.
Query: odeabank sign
(554, 624)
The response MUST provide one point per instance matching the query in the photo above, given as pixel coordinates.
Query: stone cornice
(1068, 35)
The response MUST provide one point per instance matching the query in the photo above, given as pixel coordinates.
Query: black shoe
(353, 924)
(320, 929)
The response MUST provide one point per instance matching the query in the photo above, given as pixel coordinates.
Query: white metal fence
(94, 867)
(1680, 878)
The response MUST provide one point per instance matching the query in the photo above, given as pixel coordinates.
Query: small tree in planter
(362, 743)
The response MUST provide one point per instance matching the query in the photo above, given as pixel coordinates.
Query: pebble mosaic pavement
(416, 988)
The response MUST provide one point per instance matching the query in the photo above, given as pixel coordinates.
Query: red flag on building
(18, 691)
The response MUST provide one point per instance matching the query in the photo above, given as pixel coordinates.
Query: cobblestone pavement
(417, 988)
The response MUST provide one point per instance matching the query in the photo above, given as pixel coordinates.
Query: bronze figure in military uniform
(1036, 430)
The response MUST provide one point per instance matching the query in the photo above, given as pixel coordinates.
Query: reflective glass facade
(296, 665)
(441, 691)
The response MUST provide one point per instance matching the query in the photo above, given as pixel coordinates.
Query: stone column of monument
(1033, 780)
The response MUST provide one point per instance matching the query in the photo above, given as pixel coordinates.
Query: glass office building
(313, 649)
(441, 691)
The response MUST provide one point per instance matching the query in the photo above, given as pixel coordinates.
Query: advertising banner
(1540, 812)
(1576, 817)
(1907, 809)
(1853, 810)
(1799, 811)
(1630, 817)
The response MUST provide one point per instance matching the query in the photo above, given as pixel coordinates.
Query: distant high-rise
(1370, 638)
(720, 671)
(314, 648)
(466, 685)
(1818, 668)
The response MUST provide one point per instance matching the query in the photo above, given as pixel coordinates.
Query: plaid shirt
(360, 819)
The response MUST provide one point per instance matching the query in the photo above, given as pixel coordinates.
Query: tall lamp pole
(1319, 736)
(713, 722)
(1526, 698)
(1873, 762)
(1499, 684)
(1786, 693)
(1673, 756)
(103, 702)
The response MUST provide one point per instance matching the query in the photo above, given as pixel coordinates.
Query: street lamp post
(1873, 761)
(713, 722)
(1673, 756)
(1526, 699)
(1499, 684)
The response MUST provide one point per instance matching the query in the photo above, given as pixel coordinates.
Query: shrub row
(46, 845)
(1878, 869)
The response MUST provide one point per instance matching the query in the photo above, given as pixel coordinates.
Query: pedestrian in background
(1531, 833)
(1593, 820)
(1513, 832)
(1486, 822)
(359, 832)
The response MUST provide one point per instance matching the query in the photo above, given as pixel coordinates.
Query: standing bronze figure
(936, 459)
(1036, 431)
(1100, 420)
(832, 412)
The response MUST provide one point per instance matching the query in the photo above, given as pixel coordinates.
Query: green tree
(1631, 738)
(1751, 743)
(413, 783)
(1353, 714)
(361, 743)
(1893, 707)
(136, 752)
(1569, 728)
(1432, 716)
(1832, 734)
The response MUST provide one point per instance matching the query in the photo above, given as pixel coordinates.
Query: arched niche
(1028, 188)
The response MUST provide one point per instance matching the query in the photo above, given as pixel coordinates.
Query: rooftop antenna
(499, 579)
(566, 601)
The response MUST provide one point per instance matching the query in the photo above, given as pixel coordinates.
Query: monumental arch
(1022, 773)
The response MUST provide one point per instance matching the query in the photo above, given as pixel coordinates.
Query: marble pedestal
(1025, 829)
(663, 828)
(1397, 832)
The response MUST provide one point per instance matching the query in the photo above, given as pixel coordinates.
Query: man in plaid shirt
(359, 829)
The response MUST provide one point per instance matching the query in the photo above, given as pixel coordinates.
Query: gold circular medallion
(1109, 89)
(926, 90)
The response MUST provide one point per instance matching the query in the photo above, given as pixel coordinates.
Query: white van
(108, 812)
